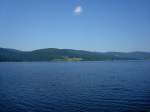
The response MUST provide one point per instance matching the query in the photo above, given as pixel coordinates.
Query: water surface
(109, 86)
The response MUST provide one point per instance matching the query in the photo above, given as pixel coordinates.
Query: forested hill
(53, 54)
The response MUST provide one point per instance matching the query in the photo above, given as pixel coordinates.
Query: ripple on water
(75, 87)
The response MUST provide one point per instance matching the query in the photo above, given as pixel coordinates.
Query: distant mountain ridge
(54, 54)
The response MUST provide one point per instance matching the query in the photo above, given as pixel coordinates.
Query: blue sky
(94, 25)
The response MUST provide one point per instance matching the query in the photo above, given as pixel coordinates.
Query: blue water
(109, 86)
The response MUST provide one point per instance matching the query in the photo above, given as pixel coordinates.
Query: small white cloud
(78, 10)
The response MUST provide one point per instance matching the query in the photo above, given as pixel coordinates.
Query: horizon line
(73, 49)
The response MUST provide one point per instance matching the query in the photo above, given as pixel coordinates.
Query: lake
(106, 86)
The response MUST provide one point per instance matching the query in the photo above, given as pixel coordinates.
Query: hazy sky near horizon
(95, 25)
